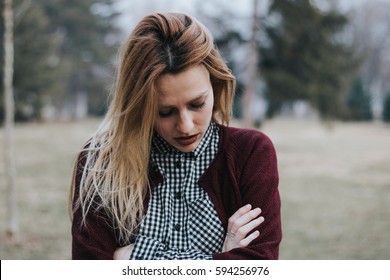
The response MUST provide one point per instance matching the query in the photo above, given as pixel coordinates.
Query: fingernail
(262, 218)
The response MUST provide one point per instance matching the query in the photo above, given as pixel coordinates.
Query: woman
(164, 177)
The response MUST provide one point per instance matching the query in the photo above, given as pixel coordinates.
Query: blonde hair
(115, 162)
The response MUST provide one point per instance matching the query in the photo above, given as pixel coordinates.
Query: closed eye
(165, 114)
(198, 106)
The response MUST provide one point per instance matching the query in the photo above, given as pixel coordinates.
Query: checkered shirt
(181, 222)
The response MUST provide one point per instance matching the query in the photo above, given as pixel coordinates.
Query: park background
(313, 75)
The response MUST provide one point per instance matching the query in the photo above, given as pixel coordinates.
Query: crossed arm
(240, 224)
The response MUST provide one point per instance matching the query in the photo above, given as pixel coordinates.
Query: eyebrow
(202, 95)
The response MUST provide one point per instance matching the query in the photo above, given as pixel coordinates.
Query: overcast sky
(134, 10)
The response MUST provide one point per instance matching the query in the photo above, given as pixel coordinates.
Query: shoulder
(244, 139)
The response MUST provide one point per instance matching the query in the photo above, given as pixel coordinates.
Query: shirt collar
(161, 146)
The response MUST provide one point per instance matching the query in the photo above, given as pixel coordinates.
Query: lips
(186, 141)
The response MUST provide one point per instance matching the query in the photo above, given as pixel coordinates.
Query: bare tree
(251, 72)
(10, 169)
(371, 23)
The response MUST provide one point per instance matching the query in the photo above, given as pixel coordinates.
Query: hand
(123, 253)
(240, 224)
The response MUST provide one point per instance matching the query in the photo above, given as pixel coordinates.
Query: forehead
(189, 83)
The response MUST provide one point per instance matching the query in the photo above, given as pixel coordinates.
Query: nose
(185, 123)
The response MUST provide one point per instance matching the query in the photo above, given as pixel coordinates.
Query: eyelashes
(166, 114)
(198, 106)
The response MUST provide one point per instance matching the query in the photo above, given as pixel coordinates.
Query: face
(185, 107)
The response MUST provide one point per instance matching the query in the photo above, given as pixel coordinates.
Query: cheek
(162, 128)
(210, 109)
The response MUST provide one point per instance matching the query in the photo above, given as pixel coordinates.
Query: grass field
(334, 185)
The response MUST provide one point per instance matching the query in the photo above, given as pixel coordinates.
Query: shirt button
(178, 195)
(177, 227)
(178, 163)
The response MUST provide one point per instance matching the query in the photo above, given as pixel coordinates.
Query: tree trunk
(10, 169)
(251, 73)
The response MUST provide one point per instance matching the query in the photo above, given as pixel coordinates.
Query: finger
(123, 253)
(245, 242)
(247, 217)
(241, 211)
(119, 253)
(244, 219)
(245, 229)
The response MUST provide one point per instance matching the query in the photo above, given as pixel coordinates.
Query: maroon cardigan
(243, 171)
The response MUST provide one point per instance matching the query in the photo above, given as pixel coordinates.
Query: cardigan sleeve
(257, 183)
(96, 238)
